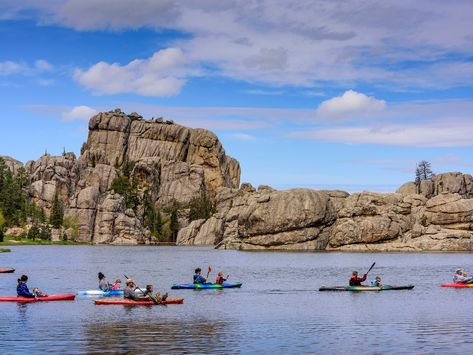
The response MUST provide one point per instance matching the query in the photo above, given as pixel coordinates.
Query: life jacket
(219, 280)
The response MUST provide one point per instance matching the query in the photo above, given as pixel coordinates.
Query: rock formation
(172, 165)
(173, 162)
(438, 218)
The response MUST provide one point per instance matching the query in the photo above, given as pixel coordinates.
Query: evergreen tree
(2, 222)
(423, 171)
(201, 207)
(152, 216)
(57, 213)
(173, 210)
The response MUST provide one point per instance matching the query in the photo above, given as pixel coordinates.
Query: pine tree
(57, 214)
(423, 171)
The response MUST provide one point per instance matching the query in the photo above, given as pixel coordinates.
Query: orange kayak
(127, 302)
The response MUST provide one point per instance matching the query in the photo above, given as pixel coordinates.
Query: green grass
(10, 241)
(4, 250)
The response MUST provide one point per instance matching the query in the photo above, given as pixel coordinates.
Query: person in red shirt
(355, 280)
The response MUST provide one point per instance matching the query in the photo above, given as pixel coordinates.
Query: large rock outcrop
(437, 215)
(173, 163)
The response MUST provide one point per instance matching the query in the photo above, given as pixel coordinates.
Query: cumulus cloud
(9, 67)
(298, 42)
(43, 65)
(79, 113)
(351, 103)
(160, 75)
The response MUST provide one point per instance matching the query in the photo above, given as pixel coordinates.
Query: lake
(278, 310)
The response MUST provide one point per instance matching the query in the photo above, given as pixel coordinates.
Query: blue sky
(319, 94)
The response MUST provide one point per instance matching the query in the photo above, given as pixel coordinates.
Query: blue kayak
(206, 286)
(102, 293)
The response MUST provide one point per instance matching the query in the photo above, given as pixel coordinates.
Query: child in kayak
(198, 278)
(117, 284)
(220, 279)
(377, 282)
(103, 283)
(22, 289)
(355, 280)
(158, 297)
(461, 277)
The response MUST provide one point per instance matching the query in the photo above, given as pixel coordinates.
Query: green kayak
(366, 288)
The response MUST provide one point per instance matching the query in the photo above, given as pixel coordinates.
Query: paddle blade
(209, 270)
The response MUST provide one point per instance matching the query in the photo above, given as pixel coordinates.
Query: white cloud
(86, 15)
(351, 103)
(79, 113)
(300, 42)
(9, 67)
(160, 75)
(43, 65)
(435, 134)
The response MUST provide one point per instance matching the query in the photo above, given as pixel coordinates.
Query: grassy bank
(10, 241)
(4, 250)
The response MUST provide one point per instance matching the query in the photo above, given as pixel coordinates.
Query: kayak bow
(6, 270)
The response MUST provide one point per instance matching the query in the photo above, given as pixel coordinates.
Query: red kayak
(457, 285)
(6, 270)
(138, 303)
(63, 297)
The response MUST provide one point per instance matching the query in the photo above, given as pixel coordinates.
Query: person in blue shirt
(377, 282)
(198, 278)
(22, 289)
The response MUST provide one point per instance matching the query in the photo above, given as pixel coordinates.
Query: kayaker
(198, 278)
(129, 292)
(461, 277)
(103, 283)
(22, 289)
(220, 279)
(377, 282)
(117, 284)
(158, 297)
(355, 280)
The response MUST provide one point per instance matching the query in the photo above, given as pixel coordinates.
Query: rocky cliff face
(175, 163)
(436, 216)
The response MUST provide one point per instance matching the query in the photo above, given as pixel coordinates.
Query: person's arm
(364, 278)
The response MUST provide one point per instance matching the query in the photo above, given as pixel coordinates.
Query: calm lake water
(278, 310)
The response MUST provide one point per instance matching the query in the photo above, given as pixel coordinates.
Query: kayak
(6, 270)
(63, 297)
(138, 303)
(366, 288)
(457, 285)
(102, 293)
(205, 286)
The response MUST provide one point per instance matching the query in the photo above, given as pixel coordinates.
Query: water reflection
(155, 336)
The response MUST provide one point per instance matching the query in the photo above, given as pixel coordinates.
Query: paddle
(155, 301)
(208, 272)
(370, 268)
